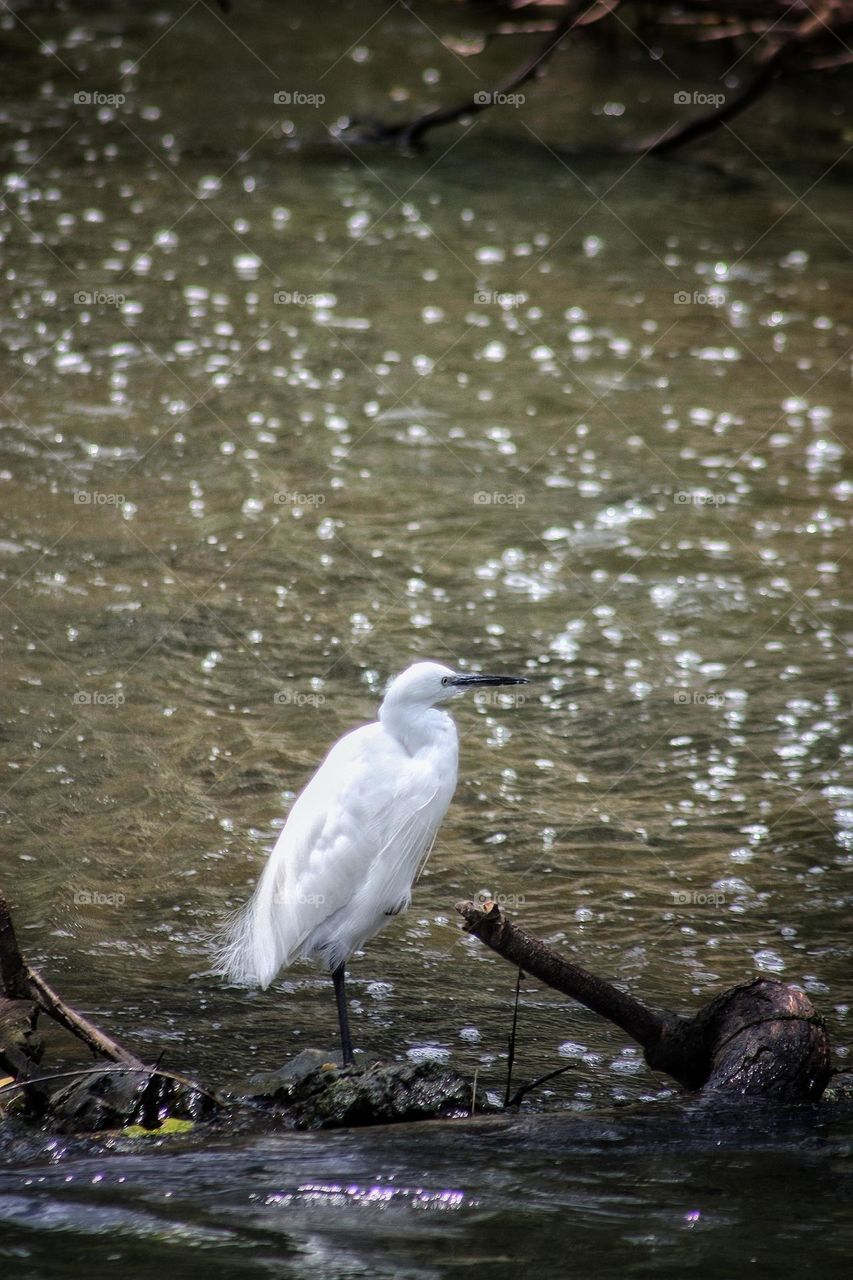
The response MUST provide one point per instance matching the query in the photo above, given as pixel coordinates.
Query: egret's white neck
(414, 725)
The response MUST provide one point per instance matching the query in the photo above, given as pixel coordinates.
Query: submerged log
(762, 1038)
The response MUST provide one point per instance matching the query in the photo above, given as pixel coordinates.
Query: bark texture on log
(766, 1038)
(761, 1039)
(20, 1044)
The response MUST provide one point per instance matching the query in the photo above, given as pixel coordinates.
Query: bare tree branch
(576, 13)
(20, 982)
(768, 64)
(779, 31)
(762, 1038)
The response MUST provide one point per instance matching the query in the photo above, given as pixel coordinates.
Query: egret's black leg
(339, 979)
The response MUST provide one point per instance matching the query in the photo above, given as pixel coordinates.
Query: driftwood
(20, 982)
(775, 34)
(128, 1092)
(760, 1039)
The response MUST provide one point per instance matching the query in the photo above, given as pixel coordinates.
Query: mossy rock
(115, 1098)
(318, 1093)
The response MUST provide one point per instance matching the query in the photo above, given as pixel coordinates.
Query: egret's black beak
(465, 681)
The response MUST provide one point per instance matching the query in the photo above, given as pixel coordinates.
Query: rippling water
(662, 1194)
(279, 417)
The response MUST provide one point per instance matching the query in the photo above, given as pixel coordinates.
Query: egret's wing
(257, 939)
(362, 863)
(405, 849)
(354, 834)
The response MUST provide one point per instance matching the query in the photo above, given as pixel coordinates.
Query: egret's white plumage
(356, 836)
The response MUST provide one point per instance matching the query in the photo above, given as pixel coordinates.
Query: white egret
(355, 837)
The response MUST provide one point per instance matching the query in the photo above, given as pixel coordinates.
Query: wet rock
(116, 1098)
(318, 1093)
(277, 1086)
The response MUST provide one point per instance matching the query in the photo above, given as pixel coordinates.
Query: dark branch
(523, 1090)
(760, 1039)
(768, 64)
(818, 30)
(490, 925)
(575, 13)
(20, 982)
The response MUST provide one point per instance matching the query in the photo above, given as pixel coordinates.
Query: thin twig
(118, 1069)
(524, 1089)
(510, 1060)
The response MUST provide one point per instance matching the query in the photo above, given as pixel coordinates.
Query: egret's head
(427, 683)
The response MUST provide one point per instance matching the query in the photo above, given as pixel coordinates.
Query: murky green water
(279, 417)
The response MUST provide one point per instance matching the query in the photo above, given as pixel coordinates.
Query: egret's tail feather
(245, 951)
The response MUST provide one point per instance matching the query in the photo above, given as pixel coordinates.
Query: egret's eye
(445, 679)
